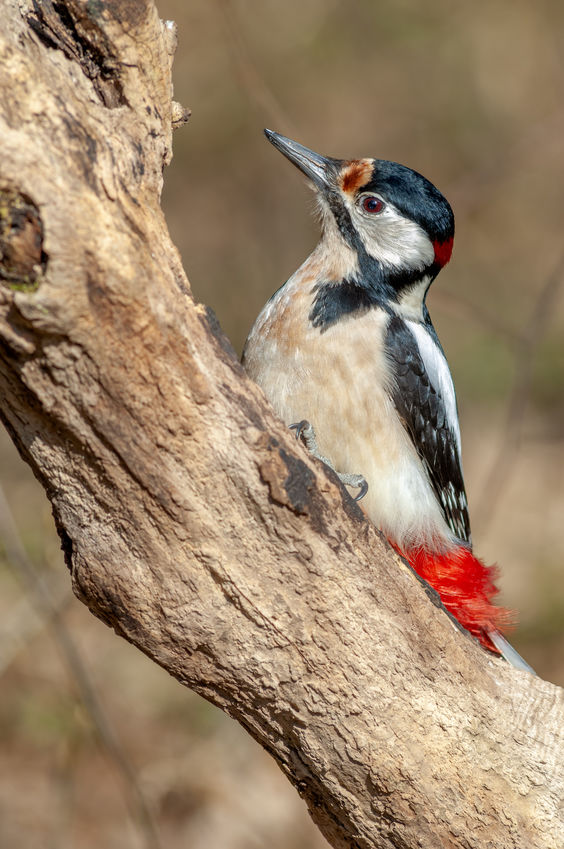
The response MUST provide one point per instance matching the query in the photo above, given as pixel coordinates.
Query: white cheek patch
(392, 239)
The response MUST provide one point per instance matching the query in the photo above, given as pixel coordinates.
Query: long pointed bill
(318, 169)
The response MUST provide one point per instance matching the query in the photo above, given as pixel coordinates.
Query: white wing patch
(439, 375)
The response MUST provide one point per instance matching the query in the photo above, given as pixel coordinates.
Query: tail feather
(508, 652)
(467, 588)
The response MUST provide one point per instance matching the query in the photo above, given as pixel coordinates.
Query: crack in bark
(23, 261)
(72, 28)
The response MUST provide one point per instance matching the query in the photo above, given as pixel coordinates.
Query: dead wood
(191, 521)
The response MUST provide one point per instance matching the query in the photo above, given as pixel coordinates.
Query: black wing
(424, 416)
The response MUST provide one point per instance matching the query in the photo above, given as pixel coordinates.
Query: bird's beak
(319, 169)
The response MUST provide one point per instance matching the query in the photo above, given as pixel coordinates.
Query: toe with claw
(304, 430)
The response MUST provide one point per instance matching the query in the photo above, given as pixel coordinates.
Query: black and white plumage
(423, 396)
(347, 344)
(362, 291)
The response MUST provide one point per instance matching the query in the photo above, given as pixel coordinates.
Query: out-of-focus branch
(252, 82)
(25, 623)
(512, 435)
(466, 309)
(48, 612)
(471, 189)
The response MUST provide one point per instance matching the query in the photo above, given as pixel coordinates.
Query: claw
(299, 427)
(304, 429)
(363, 490)
(358, 481)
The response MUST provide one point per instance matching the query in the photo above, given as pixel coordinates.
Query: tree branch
(191, 521)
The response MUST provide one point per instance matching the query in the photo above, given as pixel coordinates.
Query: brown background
(471, 95)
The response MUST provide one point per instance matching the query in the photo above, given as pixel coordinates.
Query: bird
(347, 355)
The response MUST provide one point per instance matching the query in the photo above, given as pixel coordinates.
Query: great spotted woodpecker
(347, 345)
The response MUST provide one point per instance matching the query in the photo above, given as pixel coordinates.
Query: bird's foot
(304, 430)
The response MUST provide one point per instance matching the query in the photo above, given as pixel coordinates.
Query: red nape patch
(466, 587)
(443, 251)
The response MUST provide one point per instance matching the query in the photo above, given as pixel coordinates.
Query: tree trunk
(191, 521)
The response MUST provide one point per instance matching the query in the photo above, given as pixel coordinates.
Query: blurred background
(98, 746)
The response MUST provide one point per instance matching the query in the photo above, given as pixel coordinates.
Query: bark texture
(191, 521)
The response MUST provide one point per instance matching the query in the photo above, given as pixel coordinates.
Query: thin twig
(252, 82)
(467, 192)
(24, 624)
(457, 304)
(47, 608)
(512, 437)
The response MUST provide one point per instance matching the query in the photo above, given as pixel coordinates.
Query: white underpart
(338, 380)
(439, 375)
(411, 300)
(332, 255)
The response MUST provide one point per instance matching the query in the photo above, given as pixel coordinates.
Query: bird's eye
(373, 204)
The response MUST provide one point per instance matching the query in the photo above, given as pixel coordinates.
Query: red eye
(372, 204)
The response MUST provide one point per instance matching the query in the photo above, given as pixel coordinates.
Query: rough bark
(191, 521)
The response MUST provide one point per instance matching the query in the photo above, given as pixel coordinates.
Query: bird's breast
(338, 378)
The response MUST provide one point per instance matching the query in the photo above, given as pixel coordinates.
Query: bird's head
(395, 224)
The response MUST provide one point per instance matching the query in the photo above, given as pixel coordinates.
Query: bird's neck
(350, 279)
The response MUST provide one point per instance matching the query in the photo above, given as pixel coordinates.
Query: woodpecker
(346, 353)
